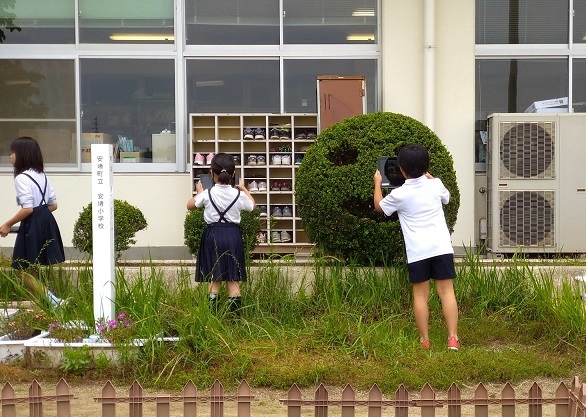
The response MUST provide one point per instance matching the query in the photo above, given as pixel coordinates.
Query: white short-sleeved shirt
(28, 194)
(418, 203)
(223, 195)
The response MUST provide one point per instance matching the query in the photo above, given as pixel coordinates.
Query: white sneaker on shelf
(252, 186)
(198, 159)
(209, 158)
(262, 186)
(277, 159)
(285, 236)
(276, 237)
(286, 159)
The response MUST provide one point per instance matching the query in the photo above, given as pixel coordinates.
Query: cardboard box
(554, 105)
(131, 157)
(87, 140)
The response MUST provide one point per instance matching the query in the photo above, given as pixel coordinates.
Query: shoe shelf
(267, 149)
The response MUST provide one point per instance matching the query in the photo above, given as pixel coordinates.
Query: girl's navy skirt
(38, 241)
(221, 254)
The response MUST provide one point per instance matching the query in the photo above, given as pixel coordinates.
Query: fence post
(35, 400)
(535, 401)
(135, 400)
(454, 401)
(321, 401)
(428, 397)
(217, 400)
(108, 400)
(8, 401)
(348, 401)
(163, 405)
(63, 398)
(562, 393)
(481, 401)
(401, 402)
(244, 398)
(508, 401)
(190, 399)
(375, 401)
(294, 401)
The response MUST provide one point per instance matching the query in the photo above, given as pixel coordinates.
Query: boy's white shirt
(223, 195)
(418, 203)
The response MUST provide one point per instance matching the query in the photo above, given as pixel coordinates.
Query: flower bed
(47, 352)
(11, 350)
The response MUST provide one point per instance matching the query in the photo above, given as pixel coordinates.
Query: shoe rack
(268, 149)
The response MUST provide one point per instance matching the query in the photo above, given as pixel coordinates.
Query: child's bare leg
(30, 278)
(445, 291)
(233, 288)
(421, 309)
(214, 287)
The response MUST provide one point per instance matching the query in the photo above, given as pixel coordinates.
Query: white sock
(53, 299)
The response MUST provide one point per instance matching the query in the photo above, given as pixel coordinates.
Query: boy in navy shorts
(430, 255)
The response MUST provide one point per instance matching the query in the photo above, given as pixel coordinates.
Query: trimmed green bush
(194, 225)
(127, 221)
(334, 186)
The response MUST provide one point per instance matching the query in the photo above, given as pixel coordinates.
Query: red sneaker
(453, 343)
(426, 344)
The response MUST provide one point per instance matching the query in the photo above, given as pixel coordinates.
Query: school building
(131, 72)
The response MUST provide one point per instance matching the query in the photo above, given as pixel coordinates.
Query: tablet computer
(389, 169)
(208, 182)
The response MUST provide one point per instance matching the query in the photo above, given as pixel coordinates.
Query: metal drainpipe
(429, 63)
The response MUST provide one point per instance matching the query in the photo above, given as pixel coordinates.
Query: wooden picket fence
(567, 402)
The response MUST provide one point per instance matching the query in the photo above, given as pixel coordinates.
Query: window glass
(233, 85)
(512, 85)
(130, 103)
(522, 21)
(128, 21)
(329, 21)
(38, 22)
(232, 22)
(38, 100)
(579, 21)
(579, 85)
(300, 77)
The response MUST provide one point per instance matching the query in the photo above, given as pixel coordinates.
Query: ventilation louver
(527, 218)
(527, 150)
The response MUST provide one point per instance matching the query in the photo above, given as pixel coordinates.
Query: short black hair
(414, 160)
(223, 166)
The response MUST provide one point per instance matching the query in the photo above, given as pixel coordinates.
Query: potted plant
(19, 327)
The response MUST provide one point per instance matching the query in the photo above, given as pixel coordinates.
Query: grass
(338, 324)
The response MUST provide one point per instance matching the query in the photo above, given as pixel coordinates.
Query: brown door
(340, 97)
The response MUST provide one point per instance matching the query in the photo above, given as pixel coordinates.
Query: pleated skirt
(221, 254)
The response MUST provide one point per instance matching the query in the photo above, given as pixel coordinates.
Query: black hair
(223, 166)
(414, 160)
(27, 155)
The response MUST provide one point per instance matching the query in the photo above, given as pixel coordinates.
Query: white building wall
(403, 87)
(160, 197)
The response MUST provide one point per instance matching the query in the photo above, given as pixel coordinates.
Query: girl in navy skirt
(38, 241)
(221, 250)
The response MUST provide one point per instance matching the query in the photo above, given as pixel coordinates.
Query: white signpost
(104, 258)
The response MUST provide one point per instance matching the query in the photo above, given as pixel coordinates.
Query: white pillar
(429, 63)
(104, 258)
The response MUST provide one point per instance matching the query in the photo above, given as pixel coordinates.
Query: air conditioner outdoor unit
(536, 192)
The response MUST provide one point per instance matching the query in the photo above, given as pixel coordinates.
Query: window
(579, 86)
(300, 76)
(522, 21)
(128, 21)
(38, 100)
(233, 85)
(131, 102)
(512, 85)
(39, 22)
(329, 21)
(232, 22)
(579, 21)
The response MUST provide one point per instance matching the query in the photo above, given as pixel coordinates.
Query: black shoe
(235, 304)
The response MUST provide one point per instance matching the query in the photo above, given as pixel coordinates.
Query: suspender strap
(223, 213)
(43, 191)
